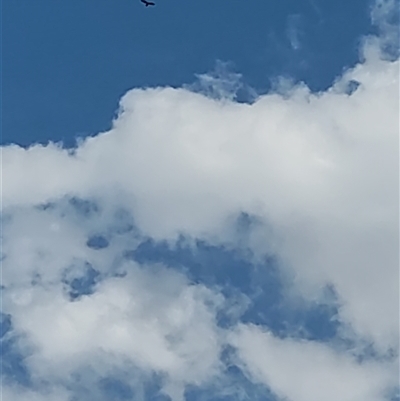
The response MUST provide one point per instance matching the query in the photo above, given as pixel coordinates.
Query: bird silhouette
(148, 3)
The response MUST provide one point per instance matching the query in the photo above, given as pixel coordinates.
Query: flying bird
(148, 3)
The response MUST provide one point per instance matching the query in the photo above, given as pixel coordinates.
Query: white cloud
(319, 170)
(293, 31)
(385, 15)
(308, 371)
(150, 318)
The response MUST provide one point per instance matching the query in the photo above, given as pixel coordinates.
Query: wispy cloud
(294, 31)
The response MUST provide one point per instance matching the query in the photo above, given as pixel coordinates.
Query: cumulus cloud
(319, 172)
(385, 16)
(308, 371)
(148, 318)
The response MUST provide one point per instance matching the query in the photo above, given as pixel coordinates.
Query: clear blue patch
(131, 53)
(315, 321)
(320, 321)
(97, 242)
(207, 264)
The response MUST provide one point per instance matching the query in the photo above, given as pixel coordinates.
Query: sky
(66, 64)
(200, 200)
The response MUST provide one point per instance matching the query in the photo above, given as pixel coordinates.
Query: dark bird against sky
(148, 3)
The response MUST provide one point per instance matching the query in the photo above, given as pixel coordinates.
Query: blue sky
(226, 228)
(67, 63)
